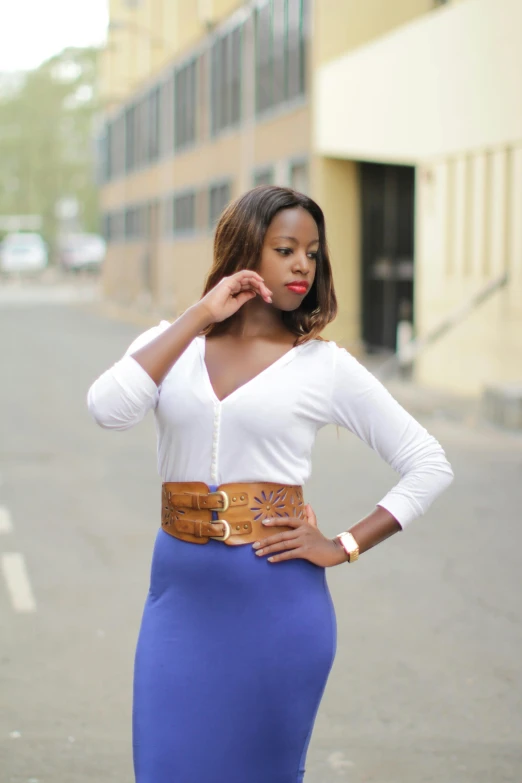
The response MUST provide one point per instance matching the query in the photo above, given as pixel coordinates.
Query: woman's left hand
(304, 541)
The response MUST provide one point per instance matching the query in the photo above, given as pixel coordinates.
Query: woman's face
(289, 257)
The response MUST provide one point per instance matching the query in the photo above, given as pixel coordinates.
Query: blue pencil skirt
(232, 660)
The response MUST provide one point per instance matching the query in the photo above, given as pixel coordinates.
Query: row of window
(193, 210)
(280, 41)
(265, 56)
(184, 213)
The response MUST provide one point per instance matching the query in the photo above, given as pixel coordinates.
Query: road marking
(6, 525)
(17, 579)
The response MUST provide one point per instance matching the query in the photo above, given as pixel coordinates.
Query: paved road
(427, 684)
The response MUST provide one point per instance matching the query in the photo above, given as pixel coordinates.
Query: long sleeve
(361, 403)
(123, 394)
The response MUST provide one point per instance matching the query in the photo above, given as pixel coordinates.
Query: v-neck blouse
(201, 343)
(266, 428)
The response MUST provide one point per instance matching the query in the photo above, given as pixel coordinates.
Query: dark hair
(238, 242)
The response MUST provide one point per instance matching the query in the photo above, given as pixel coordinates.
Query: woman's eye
(285, 251)
(313, 256)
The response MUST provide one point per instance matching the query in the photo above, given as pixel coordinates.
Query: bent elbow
(107, 416)
(447, 470)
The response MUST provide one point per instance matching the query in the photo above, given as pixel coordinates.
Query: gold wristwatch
(350, 546)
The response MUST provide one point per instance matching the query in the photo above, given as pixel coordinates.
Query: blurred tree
(47, 141)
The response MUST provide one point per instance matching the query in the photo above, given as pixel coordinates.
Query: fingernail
(259, 553)
(256, 545)
(266, 521)
(270, 559)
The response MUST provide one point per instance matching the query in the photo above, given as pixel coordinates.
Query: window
(219, 196)
(280, 52)
(153, 124)
(130, 223)
(106, 154)
(299, 176)
(204, 109)
(185, 100)
(184, 213)
(118, 146)
(263, 58)
(225, 99)
(167, 116)
(264, 176)
(113, 226)
(235, 75)
(167, 216)
(142, 132)
(111, 150)
(295, 47)
(118, 225)
(130, 138)
(107, 226)
(135, 222)
(201, 210)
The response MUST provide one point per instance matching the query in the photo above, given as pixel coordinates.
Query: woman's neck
(257, 319)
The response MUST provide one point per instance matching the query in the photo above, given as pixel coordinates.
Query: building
(403, 119)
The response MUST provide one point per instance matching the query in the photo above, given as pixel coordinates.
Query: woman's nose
(301, 262)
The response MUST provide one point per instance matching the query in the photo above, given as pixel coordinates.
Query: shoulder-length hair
(238, 242)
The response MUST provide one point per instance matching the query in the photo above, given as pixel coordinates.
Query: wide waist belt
(186, 511)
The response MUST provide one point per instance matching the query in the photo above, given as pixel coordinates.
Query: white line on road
(6, 525)
(17, 578)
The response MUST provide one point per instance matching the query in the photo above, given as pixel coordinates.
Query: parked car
(23, 252)
(80, 252)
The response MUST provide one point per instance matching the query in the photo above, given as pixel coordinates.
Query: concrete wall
(148, 36)
(336, 189)
(442, 93)
(234, 155)
(341, 26)
(444, 83)
(468, 233)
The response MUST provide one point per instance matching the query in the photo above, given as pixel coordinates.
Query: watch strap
(350, 545)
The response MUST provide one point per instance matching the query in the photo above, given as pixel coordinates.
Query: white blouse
(265, 429)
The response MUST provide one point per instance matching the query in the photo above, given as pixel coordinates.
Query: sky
(31, 31)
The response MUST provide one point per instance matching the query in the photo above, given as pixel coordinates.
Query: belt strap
(216, 529)
(187, 510)
(213, 501)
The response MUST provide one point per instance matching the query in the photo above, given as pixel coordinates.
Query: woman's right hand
(233, 292)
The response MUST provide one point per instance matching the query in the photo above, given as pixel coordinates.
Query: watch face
(348, 543)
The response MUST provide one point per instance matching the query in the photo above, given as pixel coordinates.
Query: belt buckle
(227, 531)
(226, 500)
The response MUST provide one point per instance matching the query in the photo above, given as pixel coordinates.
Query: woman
(238, 636)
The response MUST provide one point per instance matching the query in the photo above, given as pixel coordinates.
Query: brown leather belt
(186, 511)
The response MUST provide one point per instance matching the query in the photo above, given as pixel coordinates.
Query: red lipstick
(298, 287)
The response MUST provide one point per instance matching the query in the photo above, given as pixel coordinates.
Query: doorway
(387, 212)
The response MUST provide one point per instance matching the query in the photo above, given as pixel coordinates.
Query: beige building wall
(469, 235)
(144, 36)
(178, 283)
(389, 82)
(440, 93)
(340, 27)
(166, 272)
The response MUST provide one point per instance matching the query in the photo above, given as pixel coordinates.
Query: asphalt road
(427, 683)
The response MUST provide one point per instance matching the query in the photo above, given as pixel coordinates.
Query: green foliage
(47, 147)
